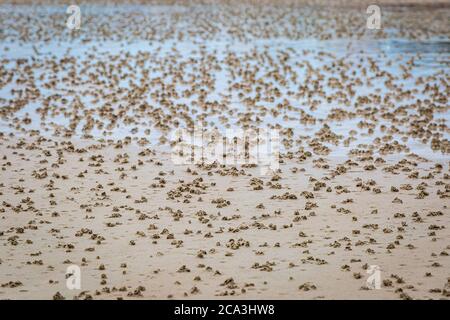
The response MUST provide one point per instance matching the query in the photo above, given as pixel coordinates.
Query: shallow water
(430, 57)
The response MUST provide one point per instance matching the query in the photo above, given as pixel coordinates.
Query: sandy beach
(88, 177)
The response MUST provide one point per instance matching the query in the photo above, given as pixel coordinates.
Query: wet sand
(88, 177)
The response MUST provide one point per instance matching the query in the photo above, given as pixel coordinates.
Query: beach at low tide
(88, 176)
